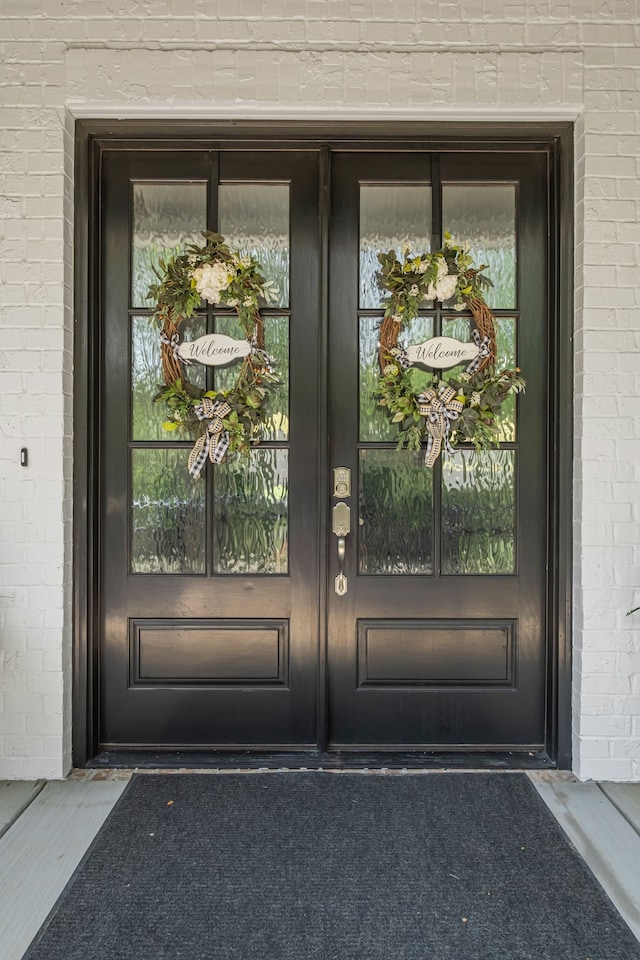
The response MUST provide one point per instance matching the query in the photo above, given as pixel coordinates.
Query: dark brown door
(216, 627)
(209, 604)
(440, 638)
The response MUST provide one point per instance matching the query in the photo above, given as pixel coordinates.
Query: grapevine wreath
(223, 422)
(455, 409)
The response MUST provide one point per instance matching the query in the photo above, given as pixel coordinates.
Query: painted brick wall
(313, 58)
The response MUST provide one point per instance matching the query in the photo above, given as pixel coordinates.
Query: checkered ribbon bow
(174, 343)
(400, 357)
(214, 442)
(439, 410)
(483, 351)
(263, 357)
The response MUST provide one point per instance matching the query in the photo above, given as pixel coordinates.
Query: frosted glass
(251, 528)
(276, 341)
(395, 527)
(254, 218)
(375, 423)
(167, 514)
(146, 377)
(459, 327)
(484, 215)
(166, 217)
(391, 215)
(478, 512)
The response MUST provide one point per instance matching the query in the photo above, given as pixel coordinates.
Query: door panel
(439, 640)
(209, 622)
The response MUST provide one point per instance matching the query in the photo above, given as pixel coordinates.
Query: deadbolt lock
(341, 482)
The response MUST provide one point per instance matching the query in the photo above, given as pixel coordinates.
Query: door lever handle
(341, 527)
(341, 580)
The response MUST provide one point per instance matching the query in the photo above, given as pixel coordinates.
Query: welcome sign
(441, 352)
(214, 350)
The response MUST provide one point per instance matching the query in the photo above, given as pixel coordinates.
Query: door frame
(92, 138)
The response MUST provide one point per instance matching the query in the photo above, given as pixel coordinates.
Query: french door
(222, 625)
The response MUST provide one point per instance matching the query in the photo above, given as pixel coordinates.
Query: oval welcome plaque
(214, 349)
(441, 352)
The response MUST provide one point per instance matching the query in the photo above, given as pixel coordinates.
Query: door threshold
(315, 760)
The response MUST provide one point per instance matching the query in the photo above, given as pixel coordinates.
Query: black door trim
(93, 137)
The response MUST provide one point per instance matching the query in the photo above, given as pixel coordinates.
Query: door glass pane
(254, 219)
(484, 215)
(375, 424)
(251, 513)
(167, 514)
(166, 217)
(395, 525)
(146, 378)
(391, 215)
(276, 341)
(459, 327)
(478, 512)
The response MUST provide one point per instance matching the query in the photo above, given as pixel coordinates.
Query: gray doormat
(291, 866)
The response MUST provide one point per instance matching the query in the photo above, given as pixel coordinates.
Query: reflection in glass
(166, 217)
(167, 514)
(395, 522)
(146, 377)
(478, 512)
(251, 513)
(484, 215)
(375, 424)
(254, 219)
(391, 215)
(459, 327)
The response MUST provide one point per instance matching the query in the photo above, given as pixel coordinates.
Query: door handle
(341, 527)
(341, 580)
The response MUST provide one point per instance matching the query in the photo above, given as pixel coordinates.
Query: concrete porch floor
(47, 827)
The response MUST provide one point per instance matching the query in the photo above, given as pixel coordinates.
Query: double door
(220, 623)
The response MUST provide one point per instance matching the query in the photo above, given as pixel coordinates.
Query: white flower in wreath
(414, 290)
(431, 292)
(446, 287)
(442, 266)
(211, 279)
(422, 266)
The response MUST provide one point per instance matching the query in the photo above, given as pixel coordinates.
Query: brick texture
(313, 58)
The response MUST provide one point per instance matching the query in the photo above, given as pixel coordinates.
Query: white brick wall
(473, 58)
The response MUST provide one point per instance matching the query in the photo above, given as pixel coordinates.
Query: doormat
(292, 866)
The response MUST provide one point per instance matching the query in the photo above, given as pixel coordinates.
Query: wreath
(223, 422)
(460, 408)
